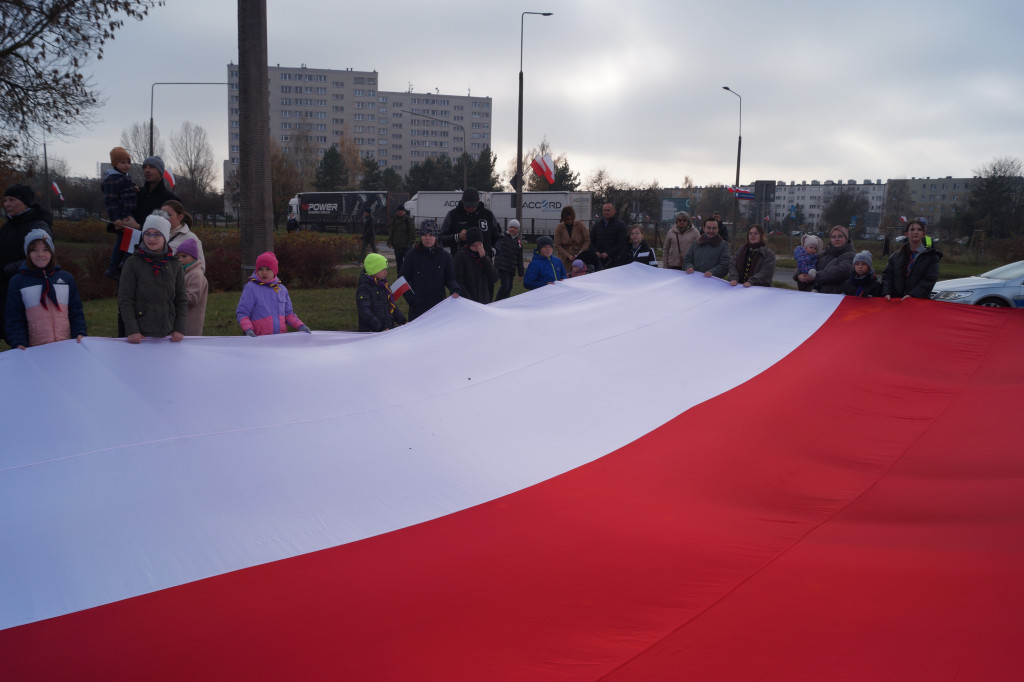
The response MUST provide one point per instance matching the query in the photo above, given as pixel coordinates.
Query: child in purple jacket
(265, 306)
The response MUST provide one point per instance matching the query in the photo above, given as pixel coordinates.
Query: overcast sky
(856, 90)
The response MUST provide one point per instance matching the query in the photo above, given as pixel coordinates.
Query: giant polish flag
(634, 475)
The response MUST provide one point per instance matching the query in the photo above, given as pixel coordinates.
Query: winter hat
(22, 193)
(864, 257)
(267, 259)
(843, 230)
(810, 239)
(513, 223)
(474, 235)
(470, 197)
(374, 263)
(578, 265)
(545, 241)
(428, 226)
(37, 234)
(155, 162)
(157, 221)
(119, 154)
(190, 247)
(400, 207)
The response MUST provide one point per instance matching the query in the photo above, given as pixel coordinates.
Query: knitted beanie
(119, 154)
(267, 259)
(374, 263)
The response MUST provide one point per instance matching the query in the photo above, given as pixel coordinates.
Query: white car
(999, 288)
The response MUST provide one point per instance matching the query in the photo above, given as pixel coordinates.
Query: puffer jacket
(762, 266)
(542, 271)
(509, 257)
(428, 272)
(373, 304)
(43, 307)
(918, 283)
(265, 308)
(834, 268)
(152, 304)
(710, 255)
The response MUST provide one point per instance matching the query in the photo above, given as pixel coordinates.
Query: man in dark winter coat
(470, 212)
(428, 269)
(369, 232)
(401, 235)
(608, 237)
(23, 216)
(154, 193)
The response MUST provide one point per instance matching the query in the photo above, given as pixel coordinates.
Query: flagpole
(519, 139)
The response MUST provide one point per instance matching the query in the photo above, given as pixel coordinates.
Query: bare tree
(255, 207)
(897, 202)
(193, 159)
(43, 46)
(135, 138)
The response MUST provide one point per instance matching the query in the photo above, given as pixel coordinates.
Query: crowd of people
(159, 263)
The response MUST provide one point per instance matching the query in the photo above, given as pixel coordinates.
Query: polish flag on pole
(399, 289)
(169, 178)
(56, 190)
(544, 167)
(130, 239)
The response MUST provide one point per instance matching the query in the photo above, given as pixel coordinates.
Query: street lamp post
(151, 92)
(519, 145)
(739, 147)
(465, 154)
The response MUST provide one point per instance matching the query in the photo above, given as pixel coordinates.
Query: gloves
(306, 329)
(249, 332)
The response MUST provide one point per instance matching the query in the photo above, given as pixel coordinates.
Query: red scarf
(155, 261)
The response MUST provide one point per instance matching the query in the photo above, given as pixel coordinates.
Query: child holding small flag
(375, 301)
(151, 293)
(265, 306)
(121, 198)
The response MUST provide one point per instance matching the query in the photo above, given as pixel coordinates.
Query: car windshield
(1007, 272)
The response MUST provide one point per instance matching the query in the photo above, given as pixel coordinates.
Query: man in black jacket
(470, 213)
(369, 232)
(154, 193)
(607, 237)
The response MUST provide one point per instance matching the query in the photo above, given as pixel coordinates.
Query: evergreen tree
(373, 179)
(331, 174)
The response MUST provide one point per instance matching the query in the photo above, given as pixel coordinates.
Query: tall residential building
(812, 198)
(313, 108)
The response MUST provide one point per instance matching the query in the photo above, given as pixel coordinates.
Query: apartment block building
(311, 109)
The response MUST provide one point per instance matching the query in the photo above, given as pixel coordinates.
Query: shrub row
(307, 259)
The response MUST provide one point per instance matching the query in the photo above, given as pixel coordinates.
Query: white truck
(542, 211)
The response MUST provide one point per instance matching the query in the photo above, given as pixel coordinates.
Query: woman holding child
(834, 266)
